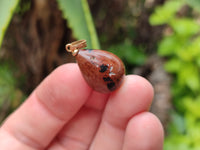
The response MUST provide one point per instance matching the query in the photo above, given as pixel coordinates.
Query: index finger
(54, 102)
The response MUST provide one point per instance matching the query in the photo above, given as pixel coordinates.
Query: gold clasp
(75, 46)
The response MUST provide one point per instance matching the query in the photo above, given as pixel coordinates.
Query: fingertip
(144, 89)
(134, 96)
(146, 121)
(144, 131)
(139, 86)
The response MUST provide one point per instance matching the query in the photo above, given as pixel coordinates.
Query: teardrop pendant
(102, 70)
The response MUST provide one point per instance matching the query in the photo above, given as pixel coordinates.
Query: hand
(63, 113)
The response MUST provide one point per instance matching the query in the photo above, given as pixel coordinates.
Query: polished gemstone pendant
(102, 70)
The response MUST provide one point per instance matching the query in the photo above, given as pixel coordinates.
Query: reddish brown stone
(102, 70)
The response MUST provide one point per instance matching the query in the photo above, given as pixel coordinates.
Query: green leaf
(198, 61)
(189, 76)
(7, 83)
(169, 45)
(185, 26)
(10, 95)
(7, 8)
(165, 13)
(79, 19)
(177, 142)
(190, 51)
(135, 56)
(194, 3)
(173, 65)
(192, 107)
(178, 123)
(192, 117)
(129, 53)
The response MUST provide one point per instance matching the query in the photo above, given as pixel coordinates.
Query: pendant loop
(75, 46)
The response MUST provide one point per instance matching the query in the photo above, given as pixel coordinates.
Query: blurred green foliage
(194, 3)
(130, 54)
(181, 46)
(10, 95)
(7, 9)
(78, 15)
(76, 12)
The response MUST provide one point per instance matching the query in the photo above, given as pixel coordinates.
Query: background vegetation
(158, 39)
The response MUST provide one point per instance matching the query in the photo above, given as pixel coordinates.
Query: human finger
(134, 96)
(80, 131)
(144, 132)
(54, 102)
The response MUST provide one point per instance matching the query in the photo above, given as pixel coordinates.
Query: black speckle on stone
(103, 68)
(111, 86)
(106, 79)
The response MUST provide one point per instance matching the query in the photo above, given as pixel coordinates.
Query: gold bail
(75, 46)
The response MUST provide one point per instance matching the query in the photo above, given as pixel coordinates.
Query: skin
(64, 113)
